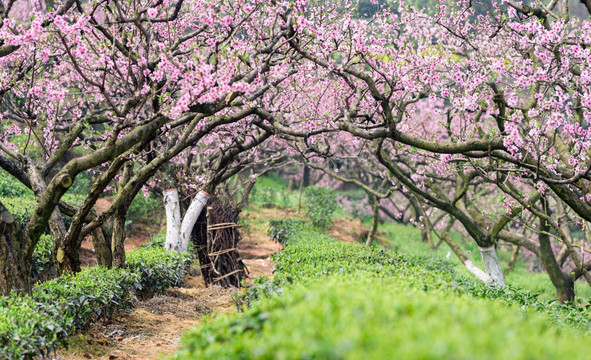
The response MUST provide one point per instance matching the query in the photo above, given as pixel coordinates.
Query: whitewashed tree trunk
(492, 266)
(481, 275)
(178, 233)
(173, 219)
(190, 218)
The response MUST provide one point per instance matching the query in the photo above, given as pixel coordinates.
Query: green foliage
(271, 191)
(283, 229)
(20, 207)
(25, 331)
(43, 258)
(407, 239)
(331, 300)
(33, 326)
(10, 187)
(356, 317)
(157, 241)
(158, 268)
(145, 209)
(261, 287)
(85, 297)
(320, 206)
(263, 195)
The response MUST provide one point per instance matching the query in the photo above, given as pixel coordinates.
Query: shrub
(283, 229)
(331, 300)
(33, 326)
(20, 207)
(11, 187)
(144, 209)
(359, 316)
(320, 204)
(25, 331)
(158, 268)
(264, 195)
(43, 258)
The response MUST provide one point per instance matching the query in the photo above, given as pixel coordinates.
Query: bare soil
(154, 328)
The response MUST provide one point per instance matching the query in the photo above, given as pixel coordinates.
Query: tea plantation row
(35, 325)
(331, 300)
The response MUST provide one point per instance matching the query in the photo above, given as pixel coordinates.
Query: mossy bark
(15, 267)
(118, 238)
(564, 285)
(102, 247)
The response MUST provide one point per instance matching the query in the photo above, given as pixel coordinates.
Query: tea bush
(11, 187)
(43, 258)
(144, 209)
(320, 204)
(158, 269)
(33, 326)
(331, 300)
(22, 207)
(283, 229)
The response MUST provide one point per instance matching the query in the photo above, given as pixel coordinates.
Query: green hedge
(320, 204)
(158, 269)
(11, 187)
(22, 207)
(331, 300)
(35, 325)
(42, 264)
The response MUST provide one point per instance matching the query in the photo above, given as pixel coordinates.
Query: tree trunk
(513, 260)
(291, 184)
(66, 256)
(118, 238)
(173, 219)
(305, 177)
(102, 247)
(190, 219)
(564, 285)
(374, 224)
(15, 268)
(492, 266)
(480, 275)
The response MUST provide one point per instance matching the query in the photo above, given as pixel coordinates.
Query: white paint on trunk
(481, 275)
(190, 219)
(492, 266)
(173, 219)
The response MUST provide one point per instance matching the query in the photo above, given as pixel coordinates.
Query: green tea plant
(331, 300)
(22, 207)
(11, 188)
(320, 204)
(43, 258)
(143, 209)
(33, 326)
(264, 196)
(282, 229)
(157, 268)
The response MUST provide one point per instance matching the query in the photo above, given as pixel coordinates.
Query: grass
(407, 239)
